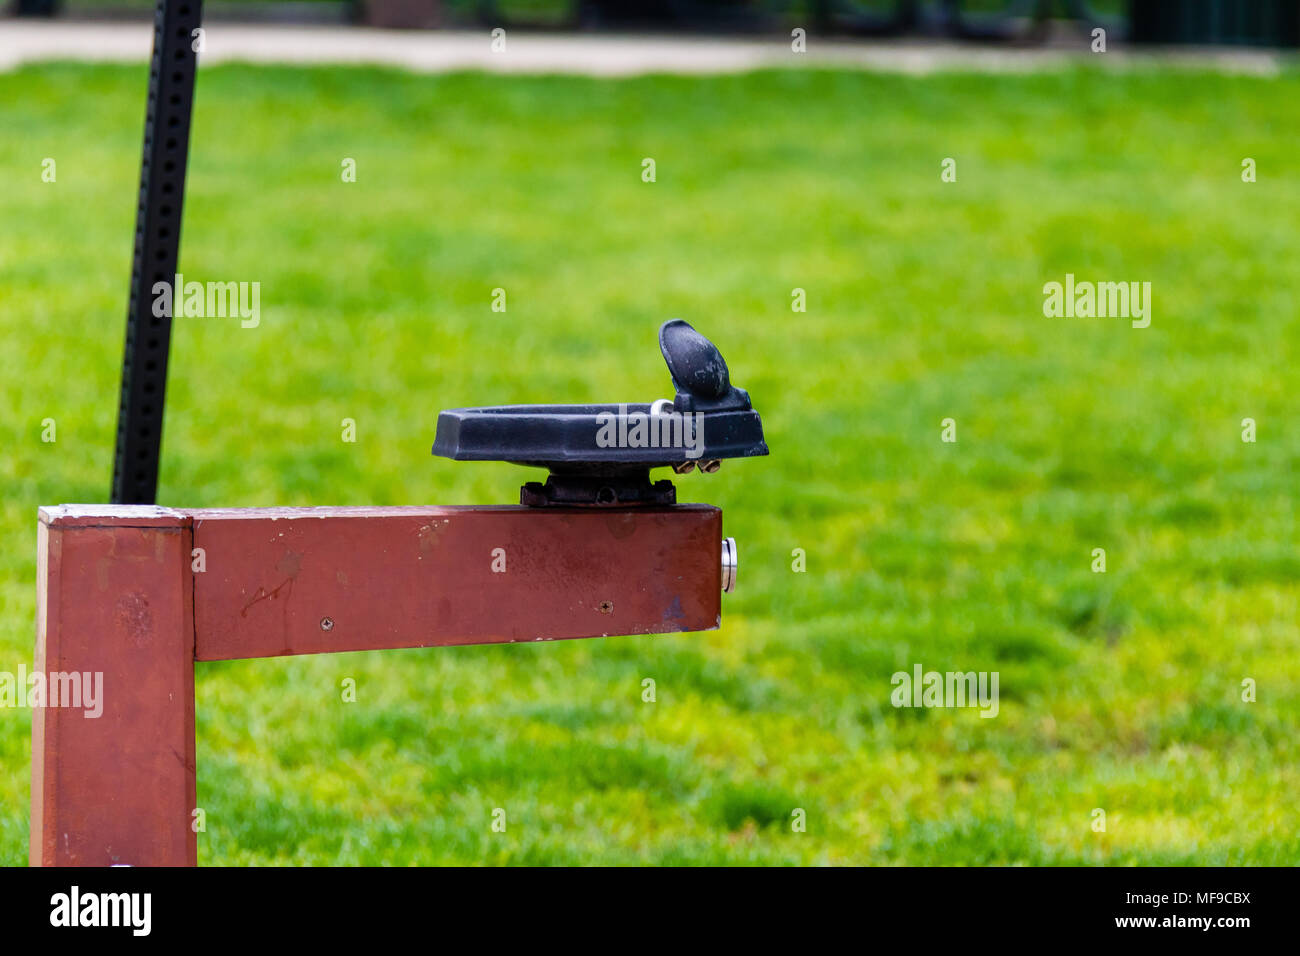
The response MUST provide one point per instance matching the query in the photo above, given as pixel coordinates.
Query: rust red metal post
(139, 593)
(113, 598)
(311, 580)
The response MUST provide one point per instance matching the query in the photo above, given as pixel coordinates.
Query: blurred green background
(1119, 691)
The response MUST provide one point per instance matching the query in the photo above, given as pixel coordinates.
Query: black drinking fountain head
(601, 455)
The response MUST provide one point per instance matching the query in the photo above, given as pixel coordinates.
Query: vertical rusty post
(115, 598)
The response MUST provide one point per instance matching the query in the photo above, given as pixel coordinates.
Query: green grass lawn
(1119, 691)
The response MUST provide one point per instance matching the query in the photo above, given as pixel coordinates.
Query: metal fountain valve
(600, 456)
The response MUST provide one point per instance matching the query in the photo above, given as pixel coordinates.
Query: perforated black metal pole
(157, 249)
